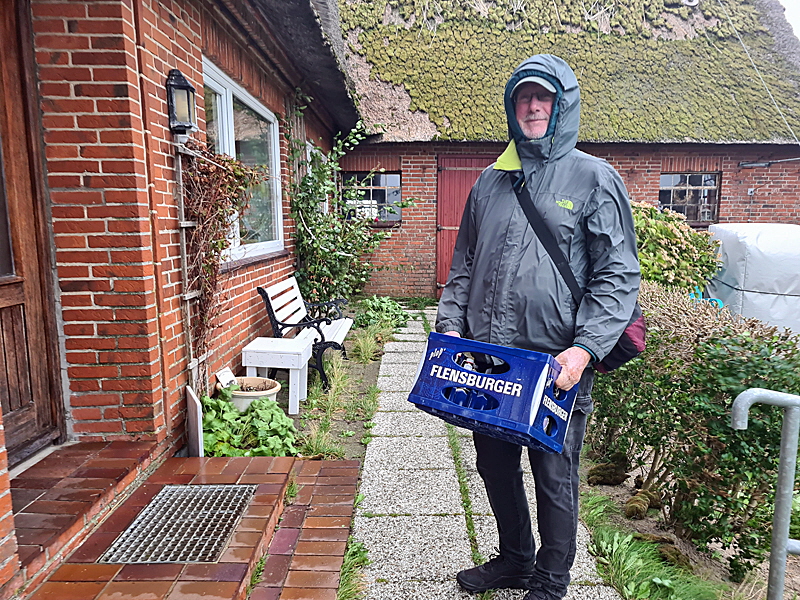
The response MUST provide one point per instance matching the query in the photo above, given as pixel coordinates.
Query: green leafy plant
(669, 412)
(263, 430)
(380, 310)
(331, 242)
(670, 251)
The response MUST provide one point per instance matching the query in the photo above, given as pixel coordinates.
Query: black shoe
(539, 593)
(492, 575)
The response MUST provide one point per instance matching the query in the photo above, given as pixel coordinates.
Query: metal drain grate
(182, 524)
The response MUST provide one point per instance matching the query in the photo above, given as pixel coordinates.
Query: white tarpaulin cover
(760, 274)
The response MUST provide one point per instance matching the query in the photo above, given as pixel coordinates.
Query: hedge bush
(670, 251)
(669, 412)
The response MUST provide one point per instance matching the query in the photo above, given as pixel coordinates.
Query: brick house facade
(110, 253)
(407, 262)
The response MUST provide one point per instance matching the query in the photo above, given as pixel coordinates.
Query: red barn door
(456, 176)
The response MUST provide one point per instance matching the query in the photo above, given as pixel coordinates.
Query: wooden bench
(291, 316)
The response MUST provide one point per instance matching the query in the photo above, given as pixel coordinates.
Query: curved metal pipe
(781, 544)
(743, 402)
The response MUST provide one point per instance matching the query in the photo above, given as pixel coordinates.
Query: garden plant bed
(710, 567)
(346, 433)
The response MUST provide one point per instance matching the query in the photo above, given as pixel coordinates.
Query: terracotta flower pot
(252, 388)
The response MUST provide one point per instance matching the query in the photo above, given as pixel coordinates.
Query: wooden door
(28, 371)
(457, 174)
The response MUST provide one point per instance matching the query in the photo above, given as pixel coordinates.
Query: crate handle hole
(471, 399)
(498, 365)
(550, 426)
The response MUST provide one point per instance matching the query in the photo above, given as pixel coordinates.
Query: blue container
(517, 402)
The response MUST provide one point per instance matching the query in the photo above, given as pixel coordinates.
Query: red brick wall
(98, 174)
(406, 264)
(110, 158)
(9, 559)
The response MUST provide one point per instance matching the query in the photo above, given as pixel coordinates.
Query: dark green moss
(454, 61)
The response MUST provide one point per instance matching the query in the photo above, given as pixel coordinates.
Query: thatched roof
(650, 70)
(309, 32)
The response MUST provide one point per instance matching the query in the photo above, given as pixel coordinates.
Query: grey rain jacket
(503, 287)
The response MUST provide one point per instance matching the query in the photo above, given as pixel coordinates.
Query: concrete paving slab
(384, 453)
(406, 492)
(420, 336)
(414, 548)
(417, 424)
(405, 347)
(399, 383)
(413, 326)
(403, 358)
(397, 370)
(427, 590)
(395, 401)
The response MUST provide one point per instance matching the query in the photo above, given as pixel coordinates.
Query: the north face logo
(564, 203)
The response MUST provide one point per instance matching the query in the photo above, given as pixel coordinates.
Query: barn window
(695, 195)
(373, 196)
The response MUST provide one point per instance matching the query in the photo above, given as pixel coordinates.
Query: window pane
(692, 212)
(374, 194)
(666, 181)
(211, 99)
(709, 179)
(696, 180)
(253, 139)
(664, 198)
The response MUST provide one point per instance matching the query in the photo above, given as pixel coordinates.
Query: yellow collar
(509, 159)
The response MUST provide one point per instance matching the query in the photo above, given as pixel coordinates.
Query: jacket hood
(562, 131)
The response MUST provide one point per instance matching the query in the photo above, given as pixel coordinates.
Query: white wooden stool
(281, 353)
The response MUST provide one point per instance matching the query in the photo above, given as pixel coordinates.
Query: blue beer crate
(517, 402)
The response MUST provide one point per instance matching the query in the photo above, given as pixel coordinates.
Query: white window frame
(226, 88)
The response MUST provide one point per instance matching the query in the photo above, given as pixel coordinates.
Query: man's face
(533, 107)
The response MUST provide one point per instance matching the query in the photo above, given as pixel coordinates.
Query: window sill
(247, 261)
(385, 224)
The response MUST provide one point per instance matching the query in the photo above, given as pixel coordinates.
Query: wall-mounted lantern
(180, 103)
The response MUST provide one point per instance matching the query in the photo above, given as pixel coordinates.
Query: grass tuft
(318, 440)
(351, 581)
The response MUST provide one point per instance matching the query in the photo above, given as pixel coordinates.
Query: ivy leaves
(330, 242)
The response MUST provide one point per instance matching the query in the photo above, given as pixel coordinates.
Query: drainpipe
(781, 544)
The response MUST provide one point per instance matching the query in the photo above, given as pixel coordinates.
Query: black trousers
(556, 478)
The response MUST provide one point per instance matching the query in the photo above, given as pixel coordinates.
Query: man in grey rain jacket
(504, 289)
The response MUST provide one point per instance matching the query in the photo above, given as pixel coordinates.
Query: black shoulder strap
(546, 237)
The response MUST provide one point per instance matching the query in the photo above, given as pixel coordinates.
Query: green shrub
(669, 411)
(380, 310)
(670, 251)
(263, 430)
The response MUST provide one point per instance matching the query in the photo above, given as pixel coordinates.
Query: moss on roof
(650, 70)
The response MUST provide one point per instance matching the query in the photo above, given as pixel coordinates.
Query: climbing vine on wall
(331, 242)
(216, 189)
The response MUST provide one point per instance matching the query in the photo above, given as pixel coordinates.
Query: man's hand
(453, 333)
(573, 361)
